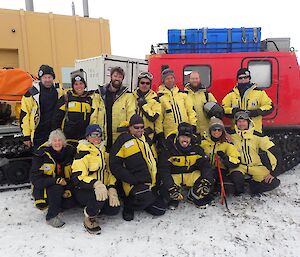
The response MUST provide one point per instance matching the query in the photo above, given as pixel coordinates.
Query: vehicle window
(261, 73)
(204, 71)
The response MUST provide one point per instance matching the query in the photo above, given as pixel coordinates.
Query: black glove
(141, 101)
(255, 113)
(174, 193)
(221, 154)
(161, 141)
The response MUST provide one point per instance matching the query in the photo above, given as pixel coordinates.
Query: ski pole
(223, 193)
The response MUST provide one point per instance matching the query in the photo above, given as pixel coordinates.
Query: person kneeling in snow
(263, 172)
(93, 182)
(132, 161)
(216, 145)
(184, 163)
(50, 176)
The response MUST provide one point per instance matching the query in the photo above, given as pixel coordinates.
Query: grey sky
(135, 25)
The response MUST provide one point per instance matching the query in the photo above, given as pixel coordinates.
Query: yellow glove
(100, 191)
(113, 197)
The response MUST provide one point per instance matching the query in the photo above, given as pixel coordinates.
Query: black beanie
(78, 78)
(243, 71)
(185, 129)
(46, 69)
(136, 119)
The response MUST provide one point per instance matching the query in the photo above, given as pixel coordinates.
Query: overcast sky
(136, 24)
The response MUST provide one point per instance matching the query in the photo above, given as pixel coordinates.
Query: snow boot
(128, 214)
(56, 222)
(91, 224)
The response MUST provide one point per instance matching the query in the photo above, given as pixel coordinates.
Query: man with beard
(37, 108)
(245, 96)
(113, 104)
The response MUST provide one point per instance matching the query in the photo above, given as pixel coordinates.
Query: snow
(262, 226)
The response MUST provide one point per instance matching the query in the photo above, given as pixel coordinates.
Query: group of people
(143, 149)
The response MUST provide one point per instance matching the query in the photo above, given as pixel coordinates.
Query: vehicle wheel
(17, 172)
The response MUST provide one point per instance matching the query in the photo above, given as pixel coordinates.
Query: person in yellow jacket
(183, 163)
(176, 106)
(215, 146)
(50, 177)
(93, 182)
(113, 104)
(261, 168)
(132, 162)
(245, 96)
(199, 97)
(147, 104)
(38, 107)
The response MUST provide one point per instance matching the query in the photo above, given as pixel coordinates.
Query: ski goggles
(146, 75)
(95, 135)
(243, 77)
(241, 115)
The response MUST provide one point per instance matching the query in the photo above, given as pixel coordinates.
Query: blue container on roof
(221, 40)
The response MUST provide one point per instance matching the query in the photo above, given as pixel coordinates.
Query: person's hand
(141, 101)
(100, 191)
(255, 113)
(67, 194)
(221, 154)
(269, 178)
(28, 143)
(113, 197)
(174, 193)
(61, 181)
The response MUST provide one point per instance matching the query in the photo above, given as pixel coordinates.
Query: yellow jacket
(211, 148)
(122, 110)
(253, 99)
(176, 108)
(89, 166)
(249, 142)
(132, 162)
(198, 99)
(150, 111)
(30, 110)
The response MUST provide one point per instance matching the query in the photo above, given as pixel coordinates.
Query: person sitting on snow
(263, 171)
(184, 163)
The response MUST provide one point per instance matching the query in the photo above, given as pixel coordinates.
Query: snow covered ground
(260, 227)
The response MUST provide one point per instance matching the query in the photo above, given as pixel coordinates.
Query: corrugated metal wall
(29, 39)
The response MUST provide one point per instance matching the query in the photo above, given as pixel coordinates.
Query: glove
(100, 191)
(174, 193)
(67, 194)
(221, 154)
(141, 101)
(255, 113)
(161, 141)
(113, 197)
(61, 181)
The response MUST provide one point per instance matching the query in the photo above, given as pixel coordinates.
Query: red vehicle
(275, 72)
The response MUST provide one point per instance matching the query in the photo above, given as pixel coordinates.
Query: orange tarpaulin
(14, 83)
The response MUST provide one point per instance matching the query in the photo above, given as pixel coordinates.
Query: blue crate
(221, 40)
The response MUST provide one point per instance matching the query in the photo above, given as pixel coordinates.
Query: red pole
(223, 193)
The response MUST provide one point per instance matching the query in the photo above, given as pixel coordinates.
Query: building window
(204, 71)
(261, 73)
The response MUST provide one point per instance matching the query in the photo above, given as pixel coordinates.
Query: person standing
(246, 96)
(73, 111)
(38, 107)
(175, 106)
(199, 97)
(113, 104)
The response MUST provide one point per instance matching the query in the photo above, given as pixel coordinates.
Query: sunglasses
(138, 127)
(145, 83)
(243, 77)
(217, 129)
(95, 134)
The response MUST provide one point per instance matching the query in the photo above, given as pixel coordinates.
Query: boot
(91, 224)
(128, 214)
(56, 222)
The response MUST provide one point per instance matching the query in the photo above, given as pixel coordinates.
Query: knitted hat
(78, 78)
(216, 123)
(46, 69)
(185, 129)
(92, 128)
(136, 119)
(243, 71)
(165, 73)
